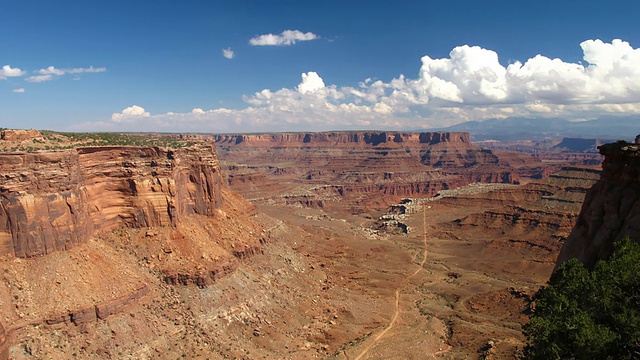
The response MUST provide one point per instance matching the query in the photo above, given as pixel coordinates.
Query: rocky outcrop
(117, 305)
(20, 135)
(51, 201)
(202, 278)
(85, 315)
(611, 209)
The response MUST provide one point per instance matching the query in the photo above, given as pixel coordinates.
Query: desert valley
(339, 245)
(319, 180)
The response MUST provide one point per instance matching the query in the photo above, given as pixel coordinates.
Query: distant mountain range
(511, 129)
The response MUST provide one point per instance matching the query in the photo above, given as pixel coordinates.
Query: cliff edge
(611, 208)
(348, 138)
(52, 200)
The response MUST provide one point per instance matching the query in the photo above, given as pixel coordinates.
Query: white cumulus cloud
(469, 84)
(228, 53)
(287, 37)
(131, 112)
(311, 82)
(19, 90)
(7, 71)
(51, 70)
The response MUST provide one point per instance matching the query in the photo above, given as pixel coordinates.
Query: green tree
(584, 314)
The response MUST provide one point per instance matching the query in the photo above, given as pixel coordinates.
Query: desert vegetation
(589, 314)
(53, 140)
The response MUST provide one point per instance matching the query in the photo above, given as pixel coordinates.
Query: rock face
(19, 135)
(51, 201)
(366, 169)
(550, 206)
(348, 138)
(611, 209)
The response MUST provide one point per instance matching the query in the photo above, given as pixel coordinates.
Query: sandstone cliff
(611, 208)
(366, 169)
(53, 200)
(550, 206)
(350, 138)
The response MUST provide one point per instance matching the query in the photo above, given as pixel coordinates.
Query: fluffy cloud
(48, 73)
(7, 71)
(132, 112)
(51, 71)
(228, 53)
(473, 75)
(311, 82)
(611, 75)
(20, 90)
(287, 37)
(39, 78)
(470, 84)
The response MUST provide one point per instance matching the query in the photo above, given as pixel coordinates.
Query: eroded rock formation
(522, 213)
(348, 138)
(51, 201)
(611, 209)
(367, 169)
(19, 135)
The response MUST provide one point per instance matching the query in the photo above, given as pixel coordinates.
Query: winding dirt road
(396, 312)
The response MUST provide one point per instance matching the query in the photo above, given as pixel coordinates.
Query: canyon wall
(52, 200)
(367, 169)
(349, 138)
(611, 208)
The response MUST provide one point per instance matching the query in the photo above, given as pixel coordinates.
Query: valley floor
(325, 286)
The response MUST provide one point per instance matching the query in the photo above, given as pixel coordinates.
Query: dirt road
(396, 312)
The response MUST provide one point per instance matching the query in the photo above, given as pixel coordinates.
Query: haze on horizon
(246, 67)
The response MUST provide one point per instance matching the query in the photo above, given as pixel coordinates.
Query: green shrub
(584, 314)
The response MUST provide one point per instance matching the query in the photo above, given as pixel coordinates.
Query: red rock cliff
(51, 201)
(348, 137)
(611, 208)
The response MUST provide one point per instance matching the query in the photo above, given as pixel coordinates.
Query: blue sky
(160, 66)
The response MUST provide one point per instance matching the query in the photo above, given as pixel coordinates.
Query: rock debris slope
(91, 234)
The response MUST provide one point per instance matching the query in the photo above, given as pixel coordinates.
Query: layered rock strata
(367, 169)
(347, 138)
(611, 209)
(53, 200)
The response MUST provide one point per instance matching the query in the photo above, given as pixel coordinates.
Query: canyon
(290, 246)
